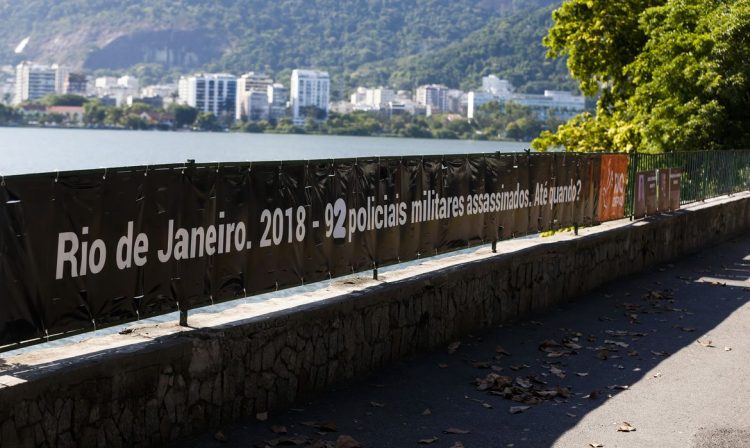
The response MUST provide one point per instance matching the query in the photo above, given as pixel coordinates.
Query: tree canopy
(670, 75)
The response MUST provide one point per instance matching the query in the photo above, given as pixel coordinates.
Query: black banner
(82, 250)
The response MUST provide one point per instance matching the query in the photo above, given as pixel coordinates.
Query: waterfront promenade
(665, 351)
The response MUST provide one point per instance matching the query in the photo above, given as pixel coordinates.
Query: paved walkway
(627, 353)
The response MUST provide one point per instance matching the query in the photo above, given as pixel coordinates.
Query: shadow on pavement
(595, 349)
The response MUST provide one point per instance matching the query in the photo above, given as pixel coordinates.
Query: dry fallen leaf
(347, 442)
(322, 426)
(596, 445)
(279, 429)
(616, 343)
(523, 382)
(617, 386)
(727, 349)
(582, 374)
(594, 395)
(626, 427)
(518, 409)
(659, 353)
(376, 404)
(481, 364)
(499, 349)
(557, 372)
(289, 441)
(261, 416)
(706, 344)
(571, 415)
(428, 441)
(219, 436)
(453, 347)
(455, 431)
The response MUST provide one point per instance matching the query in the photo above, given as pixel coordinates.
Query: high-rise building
(251, 84)
(278, 99)
(380, 97)
(76, 84)
(434, 97)
(210, 92)
(34, 81)
(61, 77)
(255, 105)
(477, 100)
(372, 99)
(310, 88)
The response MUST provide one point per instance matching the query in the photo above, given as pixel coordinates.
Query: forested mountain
(399, 41)
(508, 47)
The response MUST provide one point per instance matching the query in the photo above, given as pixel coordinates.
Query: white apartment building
(359, 97)
(372, 99)
(434, 97)
(162, 90)
(61, 77)
(255, 105)
(309, 88)
(210, 92)
(252, 84)
(117, 88)
(477, 100)
(128, 82)
(501, 88)
(278, 100)
(34, 81)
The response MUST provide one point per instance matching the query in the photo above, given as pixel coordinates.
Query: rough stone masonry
(174, 384)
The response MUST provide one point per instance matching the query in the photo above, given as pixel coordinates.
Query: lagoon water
(29, 150)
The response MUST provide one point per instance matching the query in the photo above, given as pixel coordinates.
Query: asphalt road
(626, 353)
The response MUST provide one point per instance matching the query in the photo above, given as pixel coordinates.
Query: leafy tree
(207, 121)
(64, 100)
(113, 116)
(134, 121)
(9, 115)
(94, 113)
(52, 118)
(670, 75)
(184, 115)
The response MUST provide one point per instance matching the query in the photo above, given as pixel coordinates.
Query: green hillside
(451, 41)
(509, 47)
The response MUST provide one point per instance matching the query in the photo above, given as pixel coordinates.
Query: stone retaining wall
(154, 392)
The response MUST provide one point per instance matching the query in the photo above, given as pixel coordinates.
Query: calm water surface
(28, 150)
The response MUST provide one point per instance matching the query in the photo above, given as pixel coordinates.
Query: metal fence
(705, 174)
